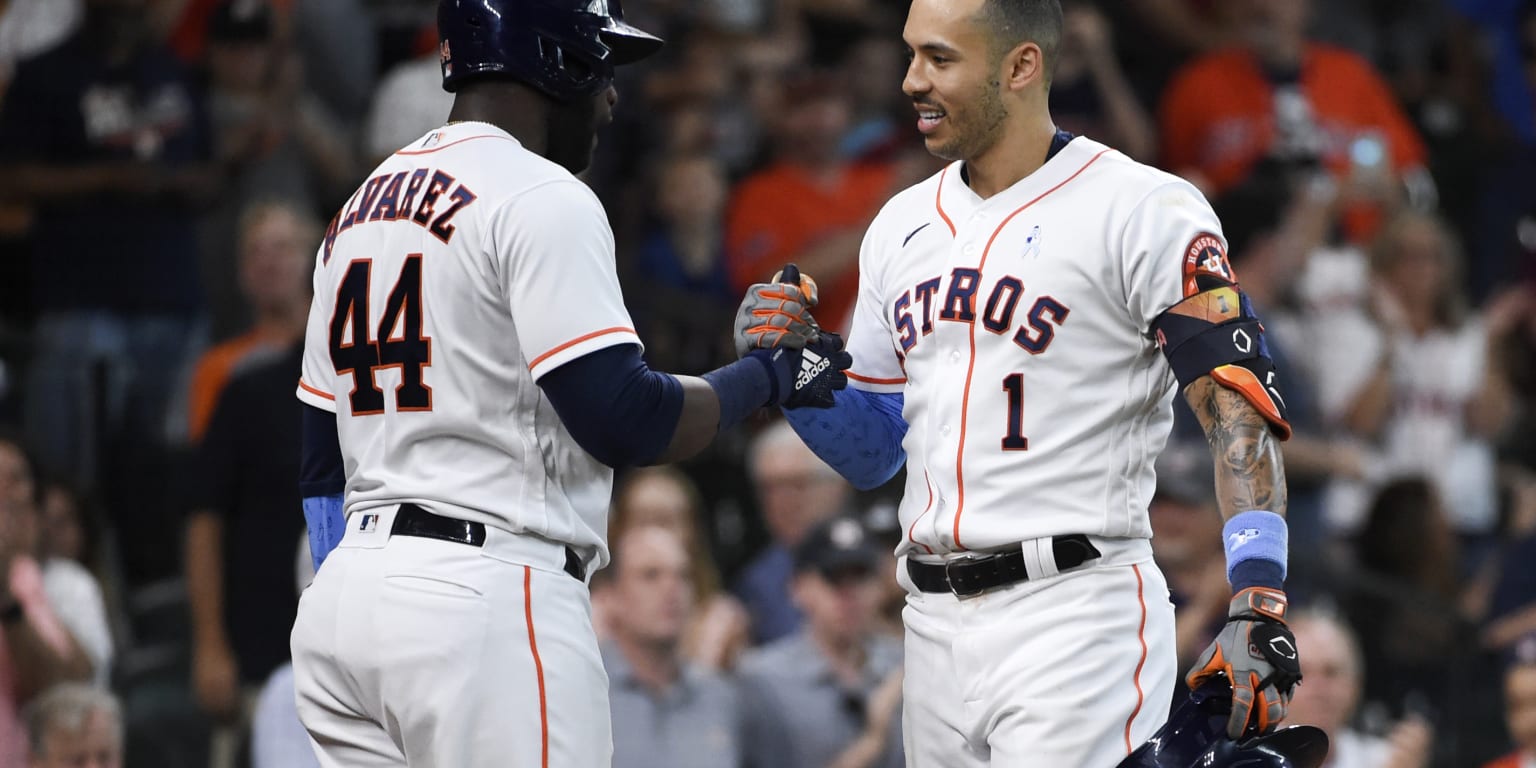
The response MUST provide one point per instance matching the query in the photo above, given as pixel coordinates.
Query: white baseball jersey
(464, 269)
(1018, 329)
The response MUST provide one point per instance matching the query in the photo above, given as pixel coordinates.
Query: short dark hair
(1016, 21)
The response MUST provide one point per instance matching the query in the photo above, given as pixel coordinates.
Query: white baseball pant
(433, 654)
(1075, 669)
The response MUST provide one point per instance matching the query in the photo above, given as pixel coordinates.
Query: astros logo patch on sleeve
(1205, 256)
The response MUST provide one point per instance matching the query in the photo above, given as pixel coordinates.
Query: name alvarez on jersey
(393, 197)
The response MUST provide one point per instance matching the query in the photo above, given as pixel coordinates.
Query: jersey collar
(1066, 156)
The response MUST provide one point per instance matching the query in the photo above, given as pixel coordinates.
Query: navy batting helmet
(1195, 736)
(565, 48)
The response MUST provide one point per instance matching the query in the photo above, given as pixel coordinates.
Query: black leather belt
(412, 520)
(973, 575)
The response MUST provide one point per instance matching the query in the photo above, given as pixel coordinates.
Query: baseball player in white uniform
(1024, 319)
(471, 377)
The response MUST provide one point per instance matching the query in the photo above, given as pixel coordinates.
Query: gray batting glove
(777, 314)
(1256, 653)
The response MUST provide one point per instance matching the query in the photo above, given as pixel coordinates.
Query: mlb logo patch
(368, 524)
(432, 141)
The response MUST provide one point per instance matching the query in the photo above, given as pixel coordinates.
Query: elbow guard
(1215, 332)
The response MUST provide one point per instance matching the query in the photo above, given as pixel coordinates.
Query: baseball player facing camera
(472, 377)
(1024, 319)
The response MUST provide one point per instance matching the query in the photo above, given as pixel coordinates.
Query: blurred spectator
(1186, 543)
(1089, 93)
(667, 711)
(75, 726)
(103, 135)
(240, 543)
(338, 43)
(31, 27)
(1510, 26)
(810, 206)
(1512, 604)
(1186, 27)
(72, 594)
(828, 695)
(63, 525)
(1504, 228)
(1330, 665)
(278, 739)
(1405, 601)
(1520, 706)
(409, 101)
(334, 38)
(685, 302)
(795, 491)
(277, 251)
(1517, 356)
(717, 628)
(275, 138)
(1301, 103)
(36, 650)
(878, 123)
(1437, 397)
(883, 524)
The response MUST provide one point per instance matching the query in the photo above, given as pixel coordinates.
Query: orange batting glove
(777, 314)
(1256, 652)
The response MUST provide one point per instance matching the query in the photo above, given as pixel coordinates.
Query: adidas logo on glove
(811, 366)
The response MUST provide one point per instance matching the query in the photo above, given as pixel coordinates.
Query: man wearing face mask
(472, 378)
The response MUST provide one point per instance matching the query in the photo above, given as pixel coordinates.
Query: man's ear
(1023, 65)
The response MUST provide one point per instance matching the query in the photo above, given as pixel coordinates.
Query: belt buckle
(949, 577)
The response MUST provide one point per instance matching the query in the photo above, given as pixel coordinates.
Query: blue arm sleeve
(617, 408)
(321, 482)
(860, 436)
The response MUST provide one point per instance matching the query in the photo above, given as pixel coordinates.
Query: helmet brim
(629, 43)
(1302, 746)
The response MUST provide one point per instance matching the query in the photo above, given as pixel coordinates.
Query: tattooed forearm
(1249, 473)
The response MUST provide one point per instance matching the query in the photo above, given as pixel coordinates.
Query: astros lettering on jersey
(1018, 330)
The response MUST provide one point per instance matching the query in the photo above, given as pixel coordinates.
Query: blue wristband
(743, 387)
(1255, 535)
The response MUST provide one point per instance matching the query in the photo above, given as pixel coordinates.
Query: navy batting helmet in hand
(565, 48)
(1195, 735)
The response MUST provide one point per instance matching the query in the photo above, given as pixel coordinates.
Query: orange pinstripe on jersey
(575, 341)
(307, 388)
(871, 379)
(938, 202)
(1141, 635)
(538, 667)
(970, 368)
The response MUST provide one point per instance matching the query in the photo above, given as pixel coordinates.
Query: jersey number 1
(356, 354)
(1014, 440)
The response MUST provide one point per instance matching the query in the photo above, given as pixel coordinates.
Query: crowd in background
(168, 166)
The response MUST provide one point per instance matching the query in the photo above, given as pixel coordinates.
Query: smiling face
(974, 65)
(953, 78)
